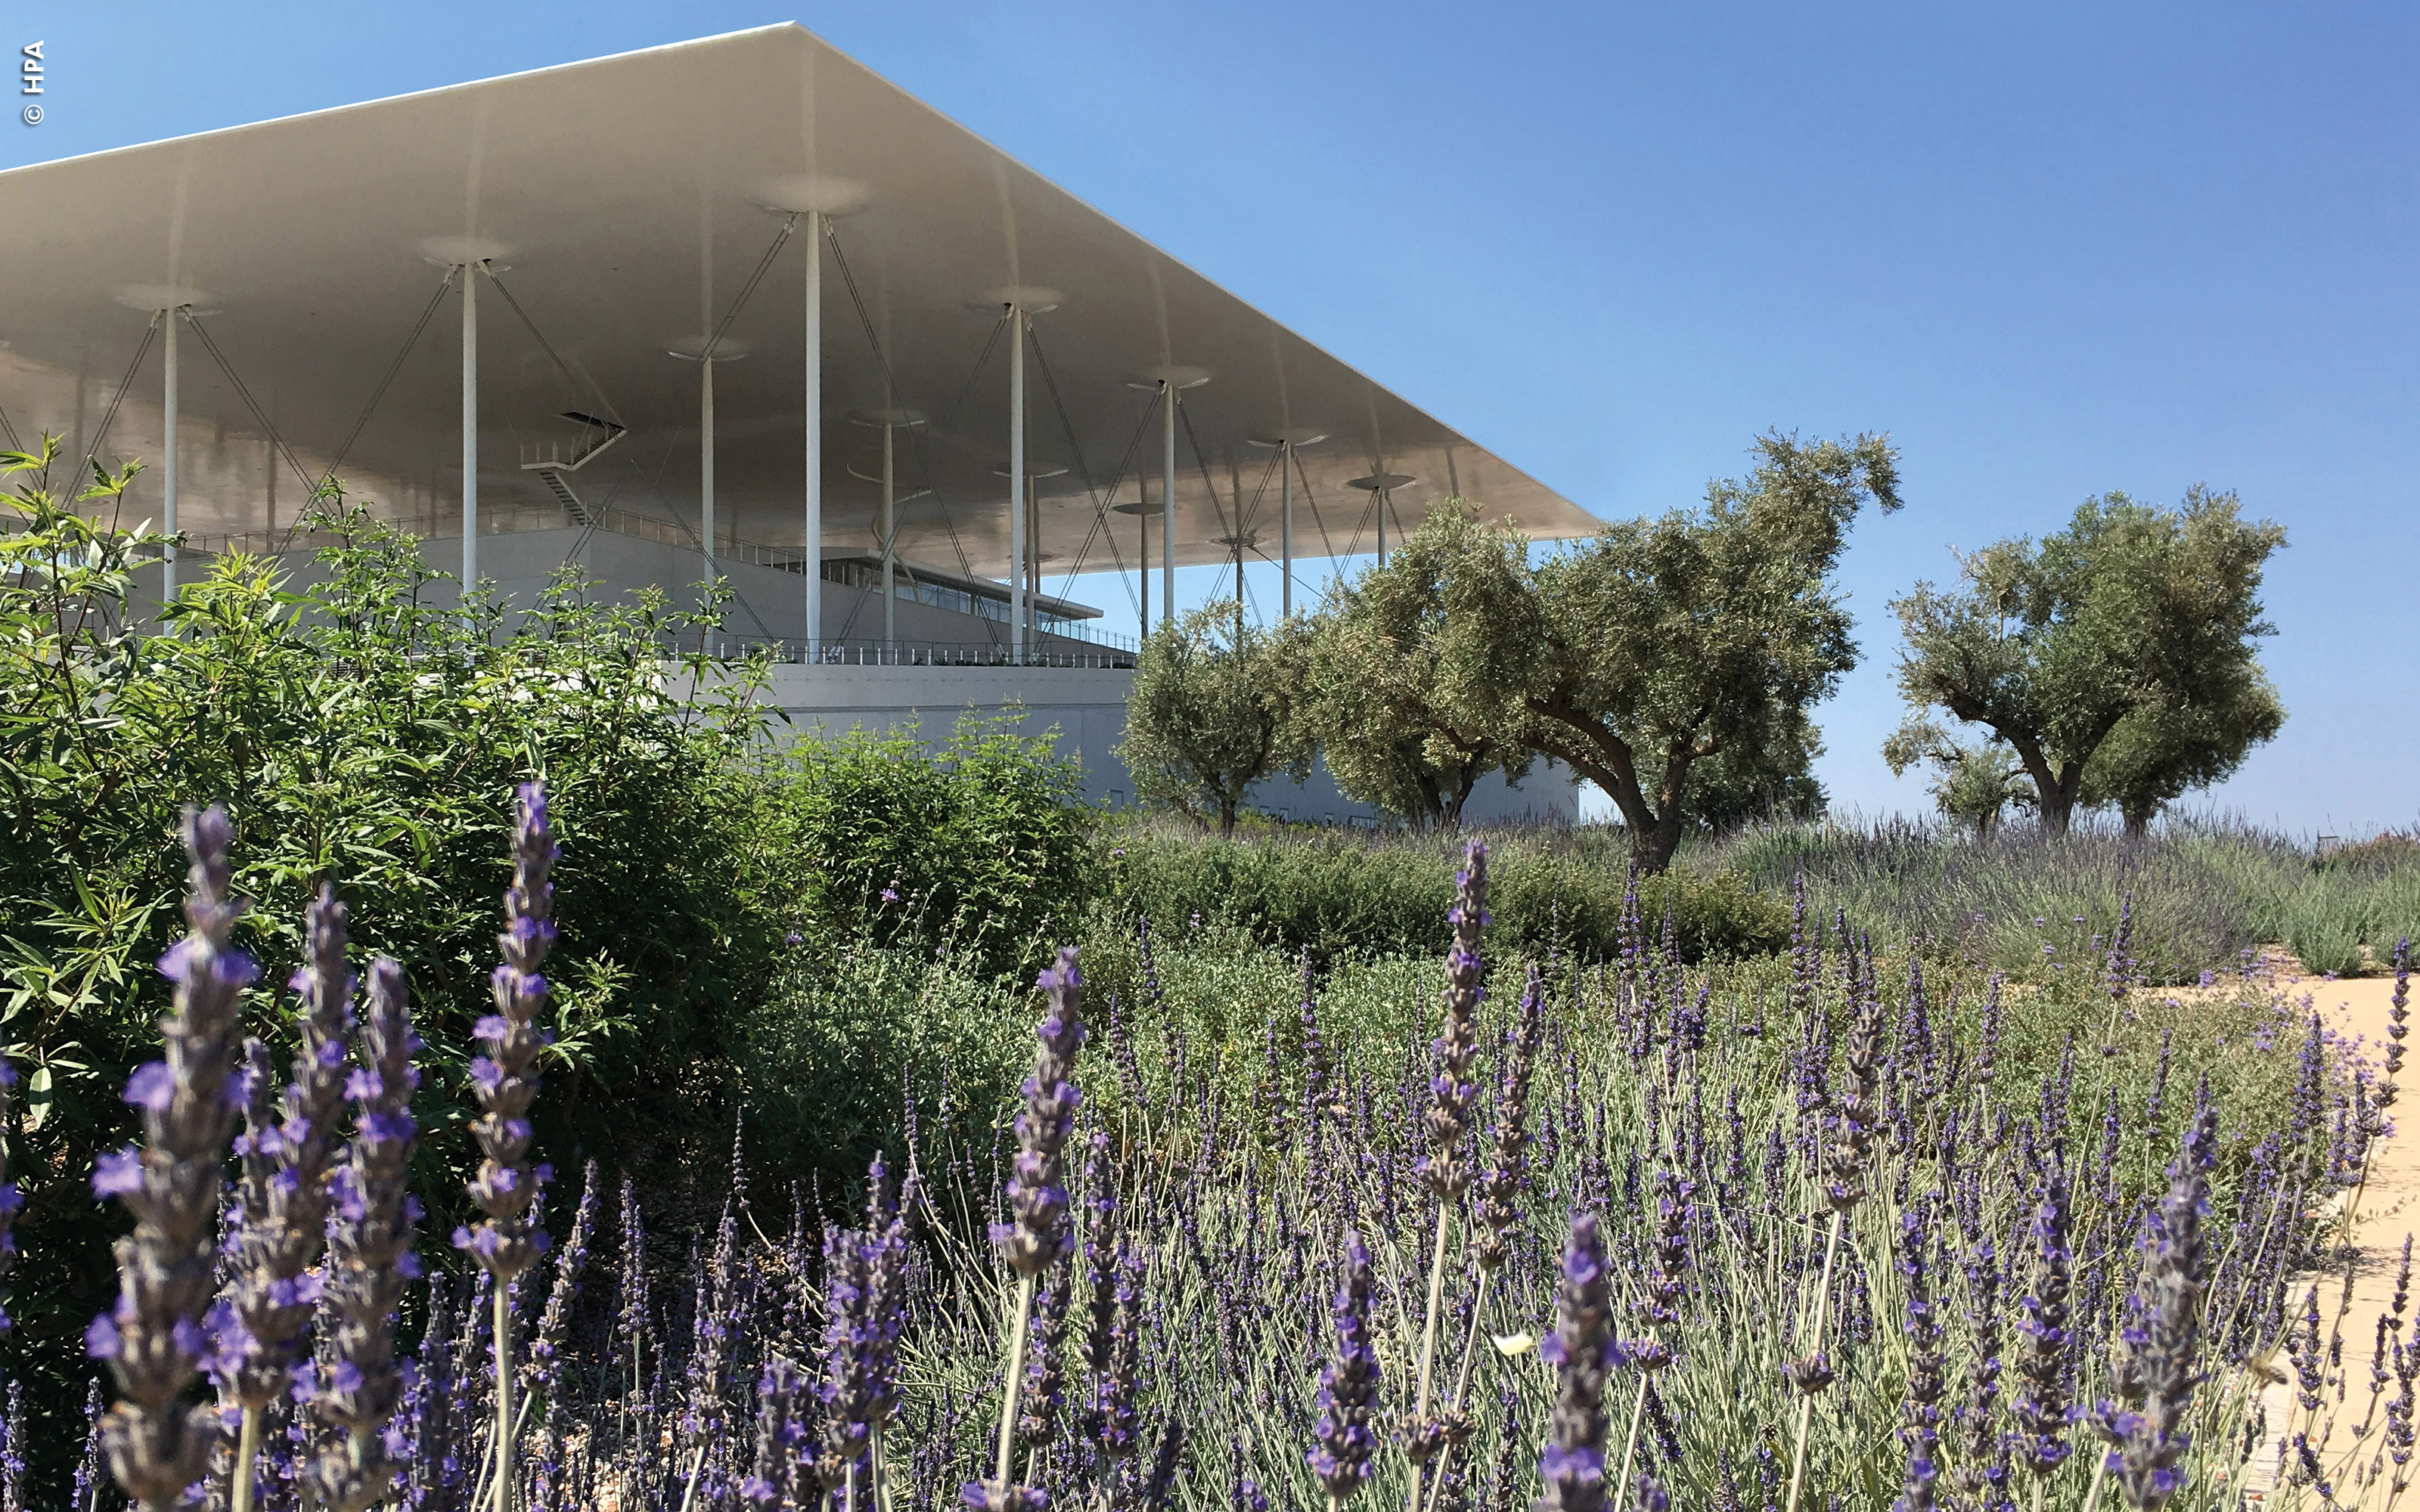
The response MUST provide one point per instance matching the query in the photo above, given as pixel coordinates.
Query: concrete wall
(1087, 708)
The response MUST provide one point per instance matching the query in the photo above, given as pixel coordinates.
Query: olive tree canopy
(1664, 646)
(2115, 658)
(1372, 692)
(1215, 709)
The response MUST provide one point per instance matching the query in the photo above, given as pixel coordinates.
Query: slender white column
(469, 428)
(1168, 506)
(815, 453)
(1378, 497)
(890, 550)
(1017, 484)
(1235, 485)
(168, 464)
(1285, 532)
(705, 458)
(1142, 568)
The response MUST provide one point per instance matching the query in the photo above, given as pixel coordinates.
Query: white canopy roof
(627, 202)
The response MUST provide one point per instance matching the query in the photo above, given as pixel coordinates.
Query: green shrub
(985, 844)
(1337, 895)
(364, 738)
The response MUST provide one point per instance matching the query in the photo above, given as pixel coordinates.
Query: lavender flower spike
(283, 1191)
(2040, 1407)
(370, 1253)
(12, 1200)
(2163, 1340)
(1454, 1088)
(1348, 1385)
(1580, 1348)
(860, 1335)
(1037, 1193)
(502, 1079)
(1035, 1234)
(1508, 1164)
(153, 1340)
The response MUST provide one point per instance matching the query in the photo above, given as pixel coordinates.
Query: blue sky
(2052, 250)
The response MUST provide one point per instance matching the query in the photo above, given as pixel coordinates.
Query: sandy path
(2389, 1211)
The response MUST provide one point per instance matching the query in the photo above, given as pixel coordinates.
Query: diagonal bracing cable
(1203, 464)
(100, 435)
(763, 266)
(310, 485)
(1100, 502)
(578, 378)
(393, 368)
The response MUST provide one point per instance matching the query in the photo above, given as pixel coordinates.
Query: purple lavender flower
(1037, 1193)
(1851, 1150)
(283, 1194)
(990, 1496)
(1581, 1349)
(2398, 1014)
(2160, 1345)
(88, 1465)
(2040, 1405)
(1668, 1273)
(542, 1369)
(369, 1252)
(1113, 1349)
(153, 1339)
(865, 1321)
(1982, 1465)
(504, 1079)
(1920, 1423)
(12, 1200)
(1040, 1403)
(1453, 1086)
(1508, 1166)
(773, 1480)
(1348, 1384)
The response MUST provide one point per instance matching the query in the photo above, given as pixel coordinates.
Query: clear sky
(2052, 250)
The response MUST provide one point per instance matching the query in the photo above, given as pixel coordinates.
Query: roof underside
(629, 199)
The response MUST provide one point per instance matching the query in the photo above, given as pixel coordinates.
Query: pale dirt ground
(2389, 1211)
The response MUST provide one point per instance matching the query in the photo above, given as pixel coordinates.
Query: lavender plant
(504, 1080)
(1035, 1237)
(1581, 1350)
(153, 1339)
(1452, 1087)
(1189, 1371)
(1344, 1437)
(283, 1194)
(370, 1257)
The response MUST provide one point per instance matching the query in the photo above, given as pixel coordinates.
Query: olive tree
(2115, 658)
(1698, 639)
(1215, 708)
(1971, 785)
(1372, 694)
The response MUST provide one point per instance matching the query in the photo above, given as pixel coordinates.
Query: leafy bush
(363, 739)
(985, 844)
(1336, 894)
(367, 733)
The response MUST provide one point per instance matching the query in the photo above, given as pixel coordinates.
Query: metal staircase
(555, 465)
